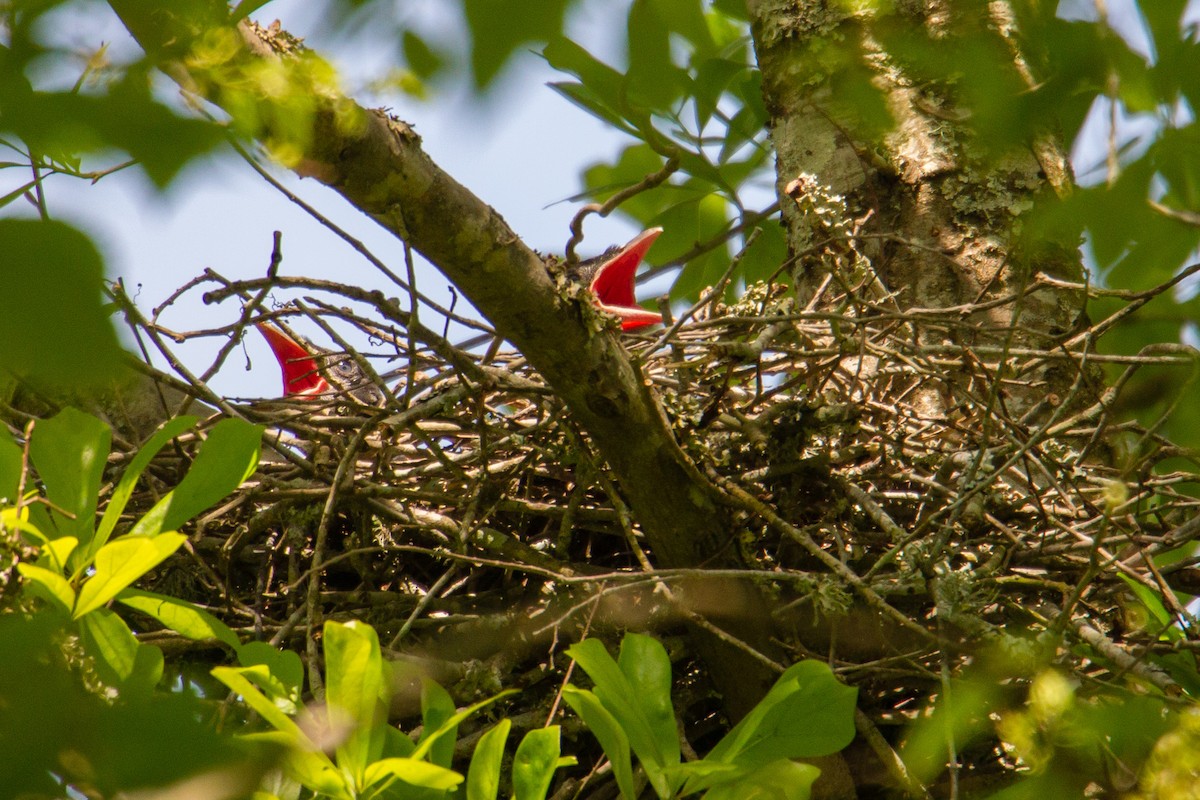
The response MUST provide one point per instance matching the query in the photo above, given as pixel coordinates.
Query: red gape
(300, 374)
(611, 279)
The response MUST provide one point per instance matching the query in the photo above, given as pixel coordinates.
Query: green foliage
(1066, 735)
(54, 724)
(371, 759)
(53, 279)
(81, 569)
(499, 27)
(680, 103)
(807, 713)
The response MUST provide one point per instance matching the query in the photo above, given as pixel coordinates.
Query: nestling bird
(610, 277)
(311, 371)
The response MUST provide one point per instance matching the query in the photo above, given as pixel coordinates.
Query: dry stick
(700, 249)
(1114, 652)
(421, 605)
(357, 245)
(888, 756)
(707, 296)
(649, 182)
(316, 682)
(198, 386)
(761, 509)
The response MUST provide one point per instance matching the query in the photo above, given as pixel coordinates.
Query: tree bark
(939, 220)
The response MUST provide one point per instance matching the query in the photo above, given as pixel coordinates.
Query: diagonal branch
(377, 164)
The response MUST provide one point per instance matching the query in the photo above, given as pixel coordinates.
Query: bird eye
(345, 366)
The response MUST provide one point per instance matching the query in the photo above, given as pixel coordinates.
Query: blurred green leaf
(499, 27)
(54, 728)
(70, 451)
(420, 57)
(685, 225)
(712, 78)
(355, 687)
(414, 772)
(437, 708)
(49, 585)
(11, 463)
(127, 118)
(653, 79)
(483, 776)
(236, 678)
(121, 562)
(129, 478)
(183, 617)
(227, 457)
(247, 7)
(536, 759)
(53, 280)
(284, 668)
(121, 661)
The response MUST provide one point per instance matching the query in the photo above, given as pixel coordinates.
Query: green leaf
(54, 553)
(647, 667)
(70, 451)
(52, 278)
(285, 697)
(581, 96)
(120, 496)
(607, 730)
(183, 617)
(712, 77)
(450, 725)
(619, 697)
(808, 712)
(285, 673)
(226, 458)
(653, 80)
(499, 27)
(436, 708)
(420, 57)
(120, 659)
(355, 687)
(380, 774)
(483, 776)
(686, 18)
(534, 764)
(604, 83)
(778, 780)
(49, 585)
(237, 681)
(245, 8)
(121, 562)
(735, 9)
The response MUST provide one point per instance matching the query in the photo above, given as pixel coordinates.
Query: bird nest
(904, 500)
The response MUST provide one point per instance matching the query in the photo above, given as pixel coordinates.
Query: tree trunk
(916, 199)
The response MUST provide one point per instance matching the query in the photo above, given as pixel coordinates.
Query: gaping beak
(296, 363)
(613, 283)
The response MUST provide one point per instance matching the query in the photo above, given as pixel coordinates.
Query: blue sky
(521, 149)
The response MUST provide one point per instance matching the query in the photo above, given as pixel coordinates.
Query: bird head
(310, 371)
(610, 276)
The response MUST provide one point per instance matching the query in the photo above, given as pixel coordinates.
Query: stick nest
(906, 495)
